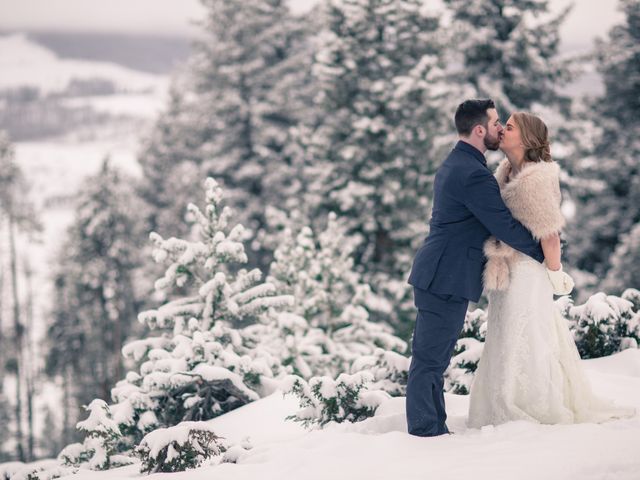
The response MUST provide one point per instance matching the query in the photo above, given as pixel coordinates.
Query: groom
(447, 269)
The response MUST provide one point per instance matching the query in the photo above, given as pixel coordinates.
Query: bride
(530, 367)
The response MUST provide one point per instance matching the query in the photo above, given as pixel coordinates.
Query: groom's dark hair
(471, 113)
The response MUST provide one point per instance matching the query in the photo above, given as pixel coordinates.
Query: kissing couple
(501, 233)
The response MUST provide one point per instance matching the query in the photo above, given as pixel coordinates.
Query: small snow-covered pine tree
(330, 295)
(200, 366)
(348, 398)
(178, 448)
(99, 451)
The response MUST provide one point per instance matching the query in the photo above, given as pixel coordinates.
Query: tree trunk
(103, 342)
(2, 345)
(29, 364)
(67, 434)
(18, 337)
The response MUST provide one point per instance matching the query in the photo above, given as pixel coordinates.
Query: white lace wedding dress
(530, 367)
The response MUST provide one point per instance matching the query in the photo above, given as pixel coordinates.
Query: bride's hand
(561, 281)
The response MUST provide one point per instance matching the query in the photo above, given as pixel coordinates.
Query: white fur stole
(533, 196)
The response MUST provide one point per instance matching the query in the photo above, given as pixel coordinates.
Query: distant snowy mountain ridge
(26, 63)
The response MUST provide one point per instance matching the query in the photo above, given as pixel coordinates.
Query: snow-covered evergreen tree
(230, 114)
(96, 300)
(624, 271)
(99, 451)
(316, 269)
(200, 365)
(609, 200)
(385, 125)
(330, 295)
(509, 51)
(300, 348)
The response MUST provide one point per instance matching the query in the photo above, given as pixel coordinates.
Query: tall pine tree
(230, 115)
(96, 301)
(609, 198)
(509, 51)
(385, 125)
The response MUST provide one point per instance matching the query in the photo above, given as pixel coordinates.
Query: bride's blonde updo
(535, 137)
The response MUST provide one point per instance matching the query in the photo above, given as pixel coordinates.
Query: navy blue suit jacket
(467, 209)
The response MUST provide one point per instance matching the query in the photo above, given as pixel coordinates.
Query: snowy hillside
(380, 448)
(24, 62)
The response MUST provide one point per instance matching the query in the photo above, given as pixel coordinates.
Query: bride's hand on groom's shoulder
(561, 281)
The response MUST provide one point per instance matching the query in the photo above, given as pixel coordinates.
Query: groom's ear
(479, 130)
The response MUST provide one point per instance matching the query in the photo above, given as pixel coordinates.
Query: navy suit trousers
(438, 325)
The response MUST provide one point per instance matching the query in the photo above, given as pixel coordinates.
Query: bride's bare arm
(551, 248)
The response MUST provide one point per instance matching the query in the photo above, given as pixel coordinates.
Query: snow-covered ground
(380, 448)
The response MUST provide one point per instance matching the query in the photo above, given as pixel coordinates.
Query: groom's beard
(492, 143)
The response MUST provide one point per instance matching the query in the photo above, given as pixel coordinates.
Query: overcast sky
(590, 18)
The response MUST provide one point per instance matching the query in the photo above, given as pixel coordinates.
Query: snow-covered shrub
(47, 469)
(99, 451)
(463, 365)
(603, 325)
(323, 399)
(7, 469)
(178, 448)
(233, 452)
(633, 296)
(475, 326)
(75, 454)
(390, 371)
(466, 354)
